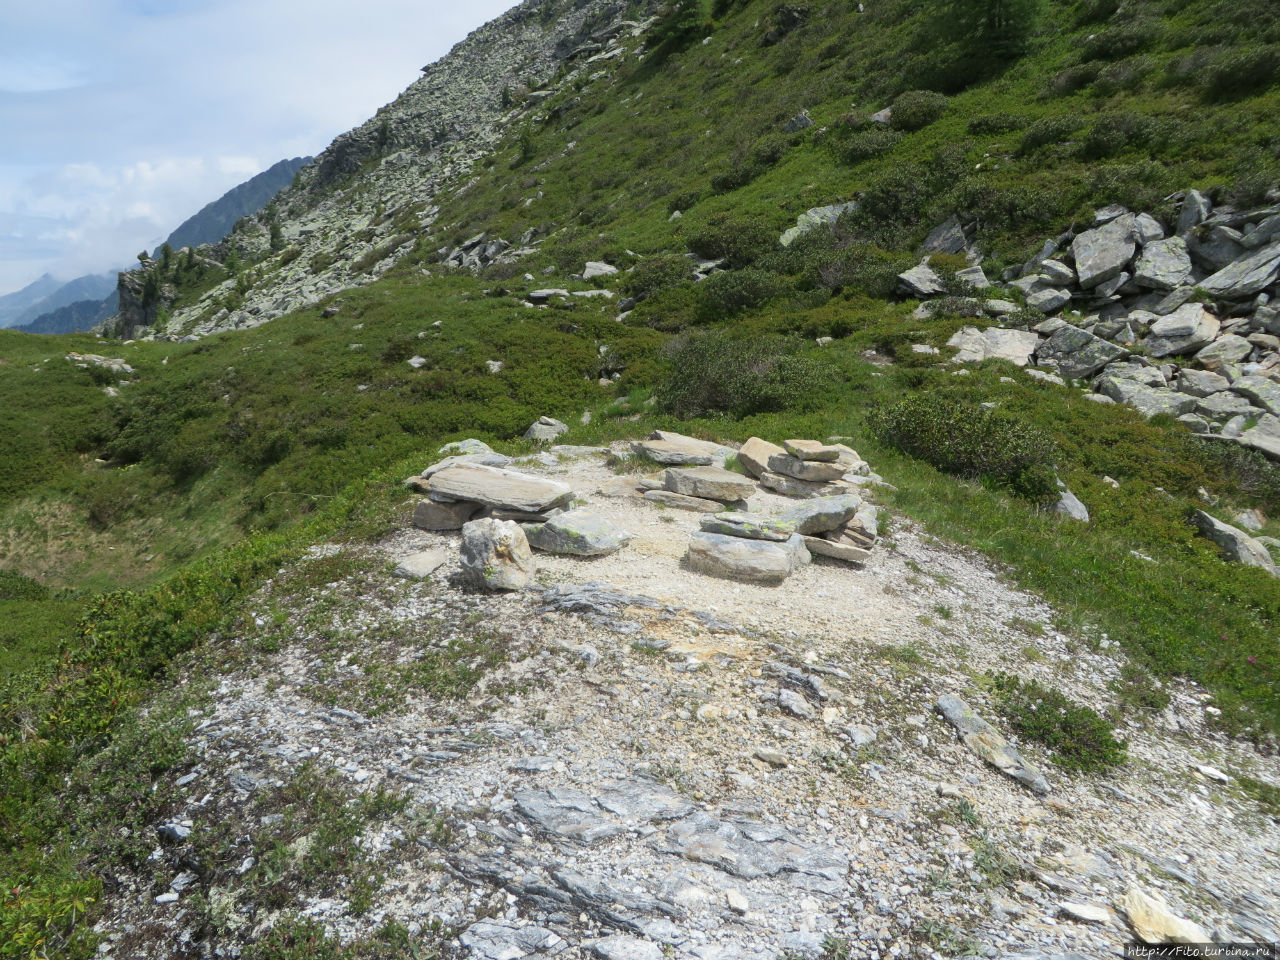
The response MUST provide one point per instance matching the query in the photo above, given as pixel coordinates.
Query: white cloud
(122, 119)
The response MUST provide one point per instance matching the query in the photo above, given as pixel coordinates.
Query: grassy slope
(257, 437)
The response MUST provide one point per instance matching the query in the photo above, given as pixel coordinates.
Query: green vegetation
(1077, 738)
(133, 527)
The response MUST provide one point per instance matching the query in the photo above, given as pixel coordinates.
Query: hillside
(243, 714)
(214, 220)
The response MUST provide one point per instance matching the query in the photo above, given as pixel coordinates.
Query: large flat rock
(1078, 353)
(755, 561)
(499, 488)
(672, 453)
(1164, 265)
(581, 532)
(994, 343)
(817, 471)
(1186, 330)
(755, 453)
(709, 483)
(984, 740)
(1103, 253)
(1246, 277)
(819, 515)
(1235, 544)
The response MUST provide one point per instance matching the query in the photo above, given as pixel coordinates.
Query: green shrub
(1048, 130)
(1113, 133)
(1127, 74)
(855, 146)
(17, 586)
(861, 268)
(1077, 738)
(971, 441)
(916, 109)
(1121, 40)
(730, 292)
(997, 123)
(683, 201)
(737, 241)
(657, 273)
(1242, 73)
(1074, 79)
(713, 373)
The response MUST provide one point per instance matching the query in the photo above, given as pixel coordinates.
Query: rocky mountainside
(636, 757)
(365, 201)
(214, 220)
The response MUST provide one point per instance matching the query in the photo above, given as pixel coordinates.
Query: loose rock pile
(503, 513)
(1167, 318)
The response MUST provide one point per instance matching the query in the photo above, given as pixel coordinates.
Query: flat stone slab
(1148, 401)
(974, 345)
(750, 850)
(671, 453)
(1247, 276)
(500, 488)
(747, 525)
(488, 459)
(434, 515)
(682, 502)
(1163, 265)
(921, 282)
(792, 487)
(709, 483)
(815, 471)
(1265, 436)
(581, 532)
(620, 806)
(755, 561)
(755, 453)
(835, 550)
(643, 801)
(819, 515)
(1235, 544)
(716, 450)
(487, 940)
(984, 740)
(812, 450)
(1262, 391)
(1103, 253)
(1154, 922)
(419, 566)
(622, 947)
(621, 487)
(1186, 330)
(1079, 353)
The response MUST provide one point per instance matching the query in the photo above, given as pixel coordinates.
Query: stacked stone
(802, 468)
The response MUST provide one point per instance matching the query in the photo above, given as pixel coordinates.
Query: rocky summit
(735, 480)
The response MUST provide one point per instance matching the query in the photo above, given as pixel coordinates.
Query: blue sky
(121, 118)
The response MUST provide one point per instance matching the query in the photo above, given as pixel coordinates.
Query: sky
(121, 118)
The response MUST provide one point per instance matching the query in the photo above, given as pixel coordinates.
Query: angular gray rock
(546, 429)
(581, 532)
(984, 740)
(434, 515)
(812, 450)
(1048, 301)
(680, 501)
(755, 561)
(946, 237)
(755, 453)
(671, 453)
(1235, 544)
(490, 459)
(748, 850)
(596, 268)
(567, 813)
(837, 550)
(499, 488)
(1264, 436)
(1147, 229)
(1104, 252)
(464, 447)
(1148, 401)
(495, 555)
(818, 515)
(419, 566)
(791, 487)
(622, 947)
(1229, 348)
(795, 704)
(1186, 330)
(1196, 208)
(1201, 383)
(1163, 265)
(921, 282)
(488, 940)
(747, 525)
(1247, 276)
(1264, 392)
(1224, 406)
(1078, 353)
(811, 218)
(974, 277)
(1069, 505)
(709, 483)
(1057, 273)
(975, 345)
(813, 470)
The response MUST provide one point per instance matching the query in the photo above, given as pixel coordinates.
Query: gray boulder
(1217, 249)
(489, 459)
(1247, 276)
(671, 453)
(1057, 273)
(1224, 406)
(755, 453)
(811, 218)
(1186, 330)
(419, 566)
(813, 450)
(495, 555)
(1079, 353)
(1104, 252)
(1049, 300)
(709, 483)
(818, 515)
(946, 237)
(437, 515)
(984, 740)
(791, 487)
(488, 940)
(1147, 229)
(1235, 544)
(921, 282)
(813, 470)
(1226, 349)
(500, 489)
(464, 447)
(974, 277)
(1164, 265)
(756, 561)
(974, 345)
(682, 501)
(1263, 436)
(597, 268)
(1201, 383)
(1261, 391)
(1069, 505)
(545, 430)
(1148, 401)
(1196, 208)
(746, 525)
(581, 532)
